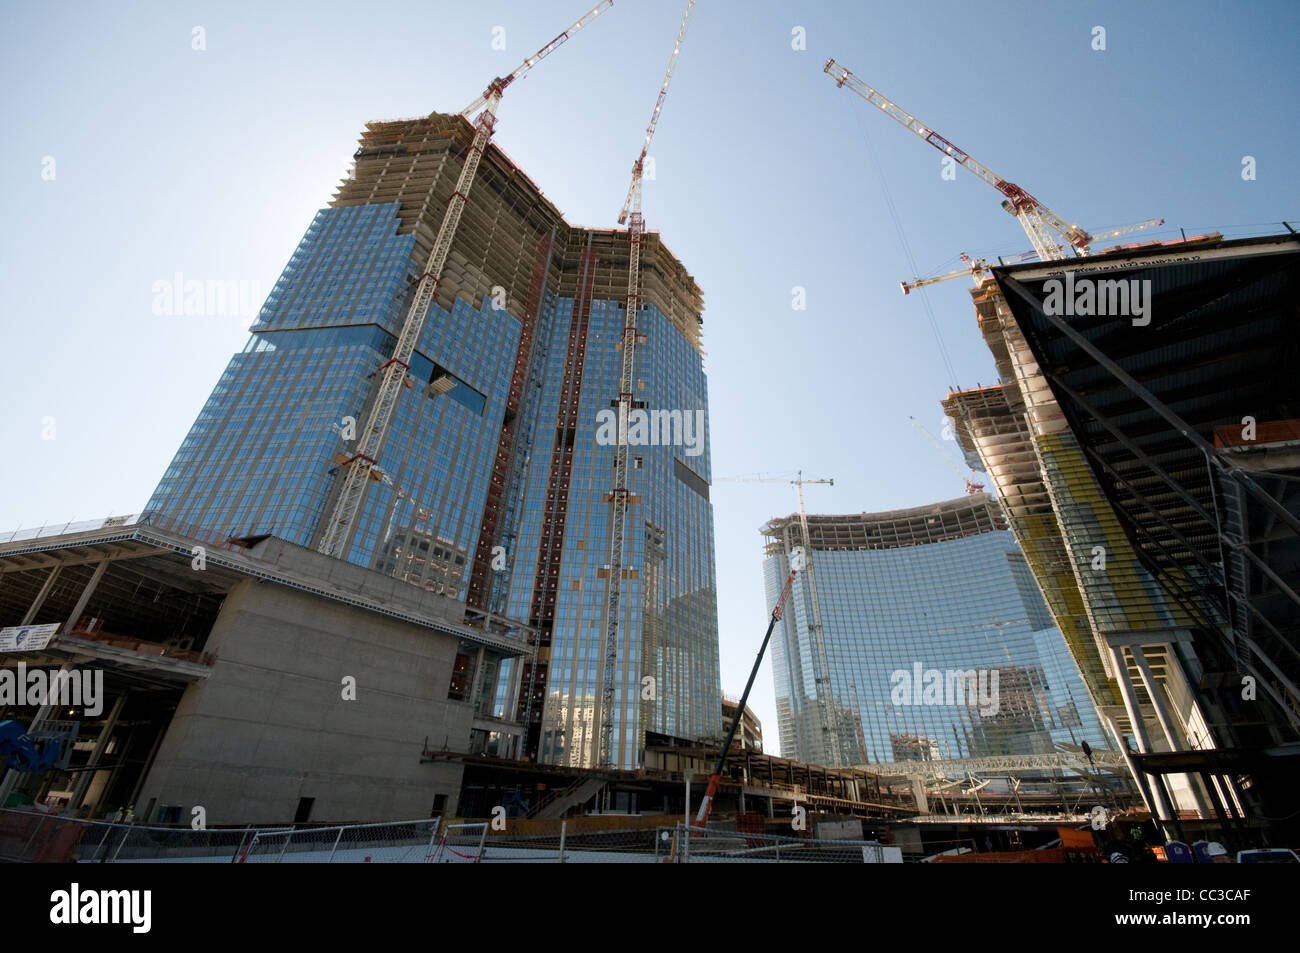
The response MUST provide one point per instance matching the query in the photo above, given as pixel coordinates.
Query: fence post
(124, 838)
(482, 845)
(686, 844)
(287, 835)
(234, 858)
(563, 827)
(102, 850)
(39, 825)
(428, 855)
(336, 846)
(243, 858)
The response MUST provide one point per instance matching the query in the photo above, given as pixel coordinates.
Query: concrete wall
(271, 726)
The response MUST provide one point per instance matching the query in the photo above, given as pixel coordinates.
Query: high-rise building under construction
(494, 481)
(917, 635)
(1146, 461)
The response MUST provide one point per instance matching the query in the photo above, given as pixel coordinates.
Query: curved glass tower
(934, 642)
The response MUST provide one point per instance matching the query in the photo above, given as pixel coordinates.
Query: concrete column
(148, 766)
(39, 601)
(1160, 807)
(1216, 803)
(87, 775)
(1159, 782)
(1156, 694)
(1137, 777)
(86, 593)
(918, 794)
(1130, 701)
(116, 770)
(1167, 723)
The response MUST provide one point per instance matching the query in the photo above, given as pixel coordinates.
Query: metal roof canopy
(1217, 529)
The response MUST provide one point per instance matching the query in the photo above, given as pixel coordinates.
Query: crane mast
(621, 492)
(857, 723)
(1041, 224)
(822, 677)
(360, 468)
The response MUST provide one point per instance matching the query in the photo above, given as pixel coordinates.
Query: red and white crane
(1052, 237)
(978, 268)
(620, 492)
(360, 468)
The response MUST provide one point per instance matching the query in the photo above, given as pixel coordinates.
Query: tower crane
(620, 492)
(975, 268)
(822, 674)
(1043, 226)
(978, 268)
(358, 470)
(857, 722)
(971, 486)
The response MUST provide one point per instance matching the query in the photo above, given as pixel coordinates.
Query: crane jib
(942, 144)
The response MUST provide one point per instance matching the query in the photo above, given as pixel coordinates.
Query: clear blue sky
(212, 162)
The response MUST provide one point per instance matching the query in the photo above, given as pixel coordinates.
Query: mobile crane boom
(706, 805)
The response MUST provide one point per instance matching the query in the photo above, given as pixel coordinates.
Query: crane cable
(907, 249)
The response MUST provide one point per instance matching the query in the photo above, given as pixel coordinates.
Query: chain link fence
(566, 846)
(35, 837)
(685, 844)
(42, 837)
(403, 842)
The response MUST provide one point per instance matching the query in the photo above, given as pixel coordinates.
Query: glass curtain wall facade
(260, 456)
(937, 643)
(669, 631)
(496, 486)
